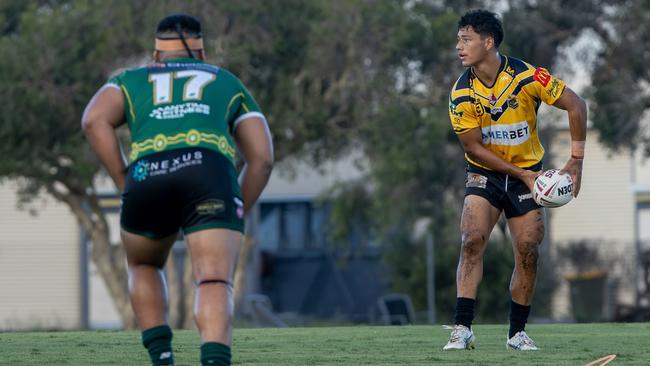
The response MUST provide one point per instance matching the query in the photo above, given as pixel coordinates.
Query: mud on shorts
(190, 189)
(504, 192)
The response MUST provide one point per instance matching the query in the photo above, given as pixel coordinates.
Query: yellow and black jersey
(506, 112)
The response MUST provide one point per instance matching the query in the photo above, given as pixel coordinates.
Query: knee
(528, 251)
(473, 244)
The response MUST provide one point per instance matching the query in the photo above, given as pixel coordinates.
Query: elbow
(91, 125)
(266, 166)
(471, 152)
(87, 125)
(583, 109)
(263, 165)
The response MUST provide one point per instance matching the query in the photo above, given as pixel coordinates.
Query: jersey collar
(504, 63)
(183, 60)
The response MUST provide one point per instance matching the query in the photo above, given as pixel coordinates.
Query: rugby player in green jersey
(187, 119)
(493, 110)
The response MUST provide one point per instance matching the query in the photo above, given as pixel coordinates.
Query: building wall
(642, 171)
(301, 180)
(604, 209)
(603, 213)
(39, 264)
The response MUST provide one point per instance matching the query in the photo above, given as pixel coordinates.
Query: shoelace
(528, 341)
(525, 339)
(455, 334)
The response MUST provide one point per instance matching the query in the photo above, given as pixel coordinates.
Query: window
(290, 226)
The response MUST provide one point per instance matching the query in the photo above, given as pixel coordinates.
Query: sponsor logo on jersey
(506, 134)
(452, 108)
(554, 90)
(542, 76)
(179, 110)
(512, 102)
(496, 110)
(478, 108)
(475, 180)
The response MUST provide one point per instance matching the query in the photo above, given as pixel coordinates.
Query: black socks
(158, 341)
(464, 311)
(518, 318)
(215, 354)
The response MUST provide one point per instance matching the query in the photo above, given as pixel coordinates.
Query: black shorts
(504, 192)
(191, 189)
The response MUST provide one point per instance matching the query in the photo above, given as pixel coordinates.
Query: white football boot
(521, 342)
(461, 338)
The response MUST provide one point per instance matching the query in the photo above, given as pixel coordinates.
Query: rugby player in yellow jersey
(493, 110)
(187, 119)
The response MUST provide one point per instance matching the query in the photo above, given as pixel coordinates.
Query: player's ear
(489, 43)
(156, 56)
(201, 54)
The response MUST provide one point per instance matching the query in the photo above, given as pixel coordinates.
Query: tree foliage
(333, 77)
(621, 81)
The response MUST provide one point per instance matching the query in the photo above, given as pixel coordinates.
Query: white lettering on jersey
(179, 110)
(509, 134)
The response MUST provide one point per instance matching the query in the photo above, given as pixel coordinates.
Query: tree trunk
(109, 259)
(175, 290)
(240, 274)
(181, 289)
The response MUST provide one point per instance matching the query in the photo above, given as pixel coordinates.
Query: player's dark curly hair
(485, 23)
(179, 25)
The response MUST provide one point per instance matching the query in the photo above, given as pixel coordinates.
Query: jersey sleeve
(242, 106)
(462, 116)
(546, 87)
(115, 81)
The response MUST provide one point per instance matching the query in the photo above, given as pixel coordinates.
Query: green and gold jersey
(506, 112)
(183, 103)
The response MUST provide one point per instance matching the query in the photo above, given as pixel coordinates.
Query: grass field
(560, 344)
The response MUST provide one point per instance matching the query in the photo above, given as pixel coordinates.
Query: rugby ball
(553, 189)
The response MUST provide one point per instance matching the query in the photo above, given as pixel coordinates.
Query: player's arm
(472, 142)
(256, 147)
(103, 114)
(577, 110)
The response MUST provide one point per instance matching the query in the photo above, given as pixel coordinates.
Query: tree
(332, 77)
(322, 71)
(54, 55)
(620, 80)
(619, 92)
(416, 166)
